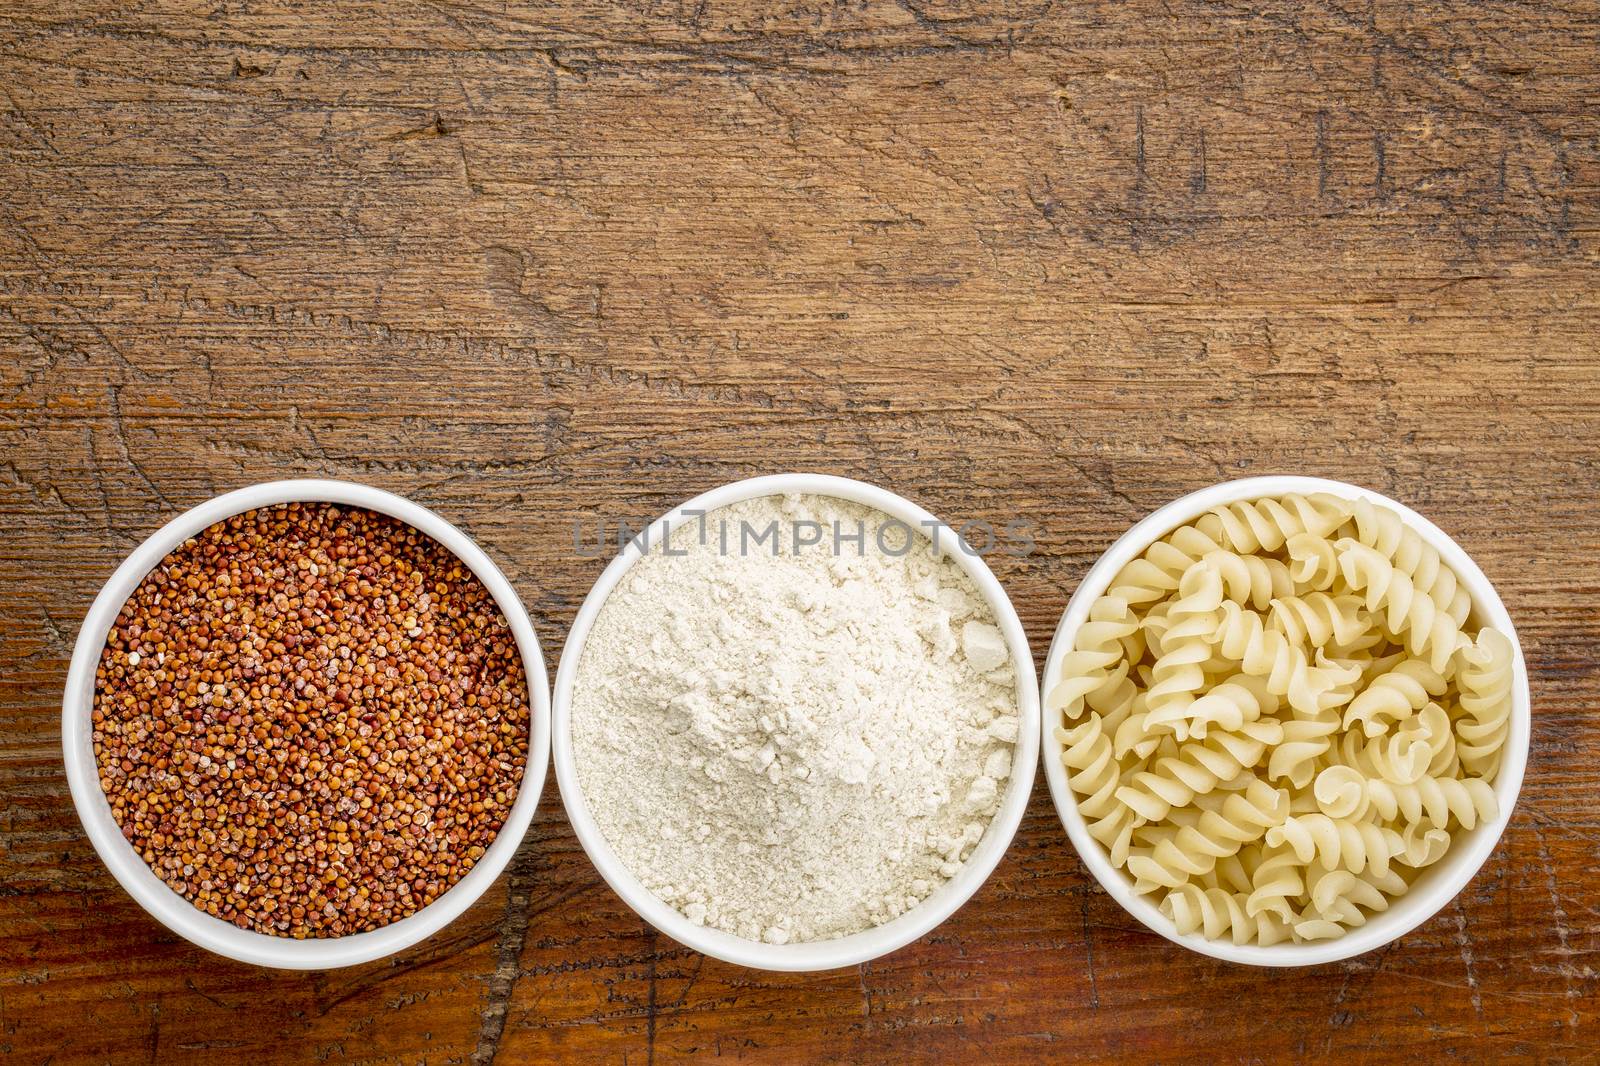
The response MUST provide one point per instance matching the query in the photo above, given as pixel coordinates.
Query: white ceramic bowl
(1435, 886)
(858, 947)
(177, 913)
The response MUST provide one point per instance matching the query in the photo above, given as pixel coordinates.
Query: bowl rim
(130, 870)
(1407, 912)
(868, 944)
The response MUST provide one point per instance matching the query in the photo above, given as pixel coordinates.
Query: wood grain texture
(1013, 259)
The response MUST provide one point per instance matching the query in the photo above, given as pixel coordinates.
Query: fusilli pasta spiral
(1281, 711)
(1409, 611)
(1485, 680)
(1396, 695)
(1216, 911)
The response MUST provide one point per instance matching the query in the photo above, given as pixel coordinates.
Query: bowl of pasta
(1285, 720)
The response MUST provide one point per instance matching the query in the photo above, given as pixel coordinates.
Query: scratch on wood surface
(1088, 947)
(1558, 920)
(1138, 145)
(1380, 160)
(475, 346)
(1322, 152)
(153, 1045)
(1340, 1015)
(1463, 940)
(188, 983)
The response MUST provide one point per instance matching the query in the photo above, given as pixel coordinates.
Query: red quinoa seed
(310, 721)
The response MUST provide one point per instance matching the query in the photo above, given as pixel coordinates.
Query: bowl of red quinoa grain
(306, 724)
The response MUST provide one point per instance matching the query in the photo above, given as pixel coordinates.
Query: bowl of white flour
(796, 722)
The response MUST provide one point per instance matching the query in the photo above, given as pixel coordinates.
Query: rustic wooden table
(1058, 262)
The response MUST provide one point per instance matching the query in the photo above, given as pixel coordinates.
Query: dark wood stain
(1057, 263)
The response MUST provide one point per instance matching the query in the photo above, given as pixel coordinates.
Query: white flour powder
(794, 748)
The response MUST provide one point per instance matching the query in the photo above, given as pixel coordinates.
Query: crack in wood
(509, 943)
